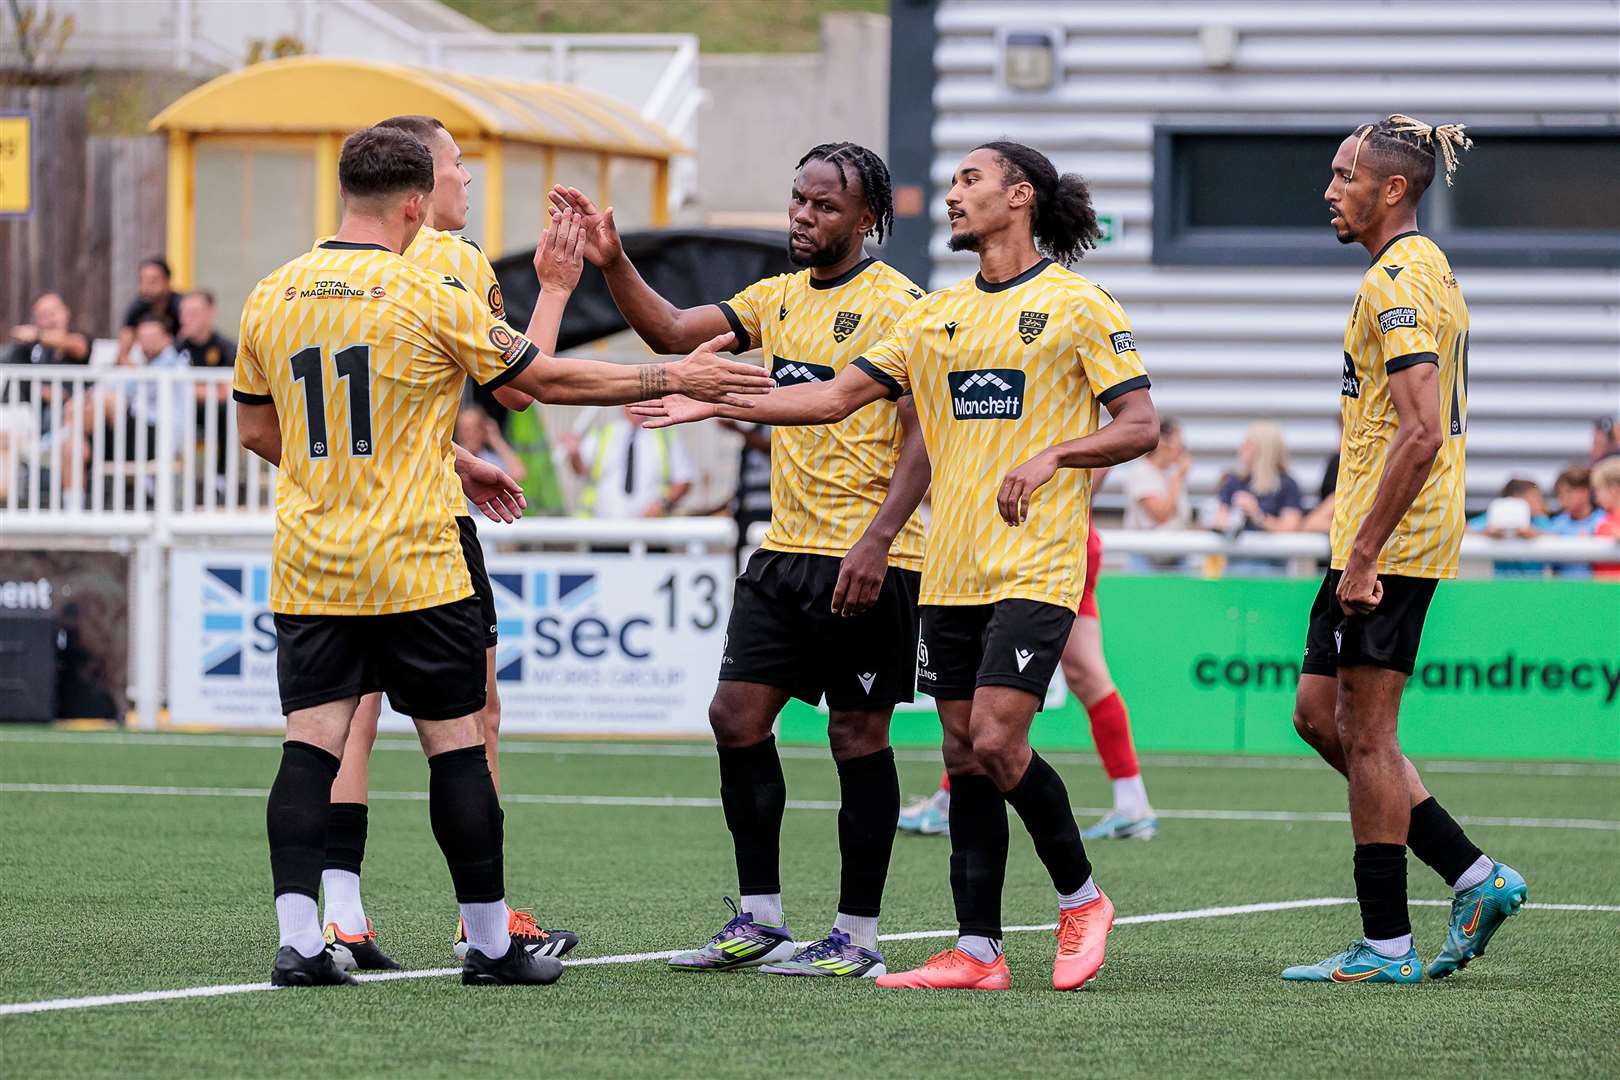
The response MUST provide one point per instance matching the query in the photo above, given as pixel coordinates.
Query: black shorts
(473, 552)
(429, 662)
(783, 633)
(1387, 638)
(1014, 643)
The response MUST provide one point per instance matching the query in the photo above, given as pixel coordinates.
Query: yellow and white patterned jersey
(828, 481)
(448, 254)
(1408, 311)
(364, 355)
(1001, 372)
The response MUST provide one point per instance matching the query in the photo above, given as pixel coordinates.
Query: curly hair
(1064, 220)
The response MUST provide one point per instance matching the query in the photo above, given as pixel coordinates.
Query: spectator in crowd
(479, 435)
(1605, 440)
(1606, 490)
(1156, 485)
(201, 345)
(1260, 496)
(630, 471)
(1320, 517)
(1577, 516)
(48, 339)
(155, 297)
(1520, 511)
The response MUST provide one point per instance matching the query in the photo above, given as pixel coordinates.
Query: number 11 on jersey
(354, 364)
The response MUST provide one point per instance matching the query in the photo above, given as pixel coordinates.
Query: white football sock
(486, 928)
(1085, 894)
(1391, 948)
(983, 949)
(300, 923)
(766, 908)
(1130, 798)
(341, 890)
(1474, 874)
(861, 930)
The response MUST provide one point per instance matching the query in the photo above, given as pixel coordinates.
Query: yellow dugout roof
(314, 94)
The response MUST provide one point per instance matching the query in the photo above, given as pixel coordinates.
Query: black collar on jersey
(842, 279)
(350, 245)
(999, 286)
(1391, 243)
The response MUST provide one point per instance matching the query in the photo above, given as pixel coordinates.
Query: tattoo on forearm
(654, 380)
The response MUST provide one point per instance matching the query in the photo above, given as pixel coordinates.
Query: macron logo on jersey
(794, 372)
(987, 394)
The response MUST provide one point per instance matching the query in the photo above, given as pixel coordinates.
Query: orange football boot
(1082, 935)
(952, 969)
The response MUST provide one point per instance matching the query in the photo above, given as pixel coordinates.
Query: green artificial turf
(117, 893)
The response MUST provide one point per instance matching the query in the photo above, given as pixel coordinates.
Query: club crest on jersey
(794, 372)
(1030, 325)
(844, 324)
(987, 394)
(1350, 382)
(508, 343)
(1396, 317)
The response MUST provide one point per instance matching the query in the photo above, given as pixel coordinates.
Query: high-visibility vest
(599, 444)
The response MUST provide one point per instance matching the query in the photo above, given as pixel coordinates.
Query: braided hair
(1400, 145)
(875, 184)
(1065, 222)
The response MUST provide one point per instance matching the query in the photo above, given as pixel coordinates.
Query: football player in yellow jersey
(438, 249)
(1397, 529)
(1009, 370)
(348, 378)
(828, 604)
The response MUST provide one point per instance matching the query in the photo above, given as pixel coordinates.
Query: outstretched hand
(707, 376)
(601, 237)
(559, 257)
(670, 410)
(491, 490)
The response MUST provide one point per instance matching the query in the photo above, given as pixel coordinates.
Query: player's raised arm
(663, 326)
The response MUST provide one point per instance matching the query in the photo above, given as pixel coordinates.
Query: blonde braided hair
(1450, 139)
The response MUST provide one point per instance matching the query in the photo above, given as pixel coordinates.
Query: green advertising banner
(1508, 669)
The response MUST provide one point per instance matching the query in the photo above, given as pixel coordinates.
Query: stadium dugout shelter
(252, 165)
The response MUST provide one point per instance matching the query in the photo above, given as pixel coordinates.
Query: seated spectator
(49, 339)
(631, 472)
(1606, 490)
(479, 435)
(1605, 440)
(1576, 516)
(200, 345)
(154, 297)
(1156, 485)
(1521, 510)
(1260, 496)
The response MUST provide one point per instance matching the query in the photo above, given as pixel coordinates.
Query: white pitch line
(709, 803)
(525, 745)
(97, 1001)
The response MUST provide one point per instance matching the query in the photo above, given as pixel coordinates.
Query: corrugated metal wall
(1227, 345)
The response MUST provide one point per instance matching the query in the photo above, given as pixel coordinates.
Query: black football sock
(1381, 891)
(296, 817)
(346, 836)
(466, 817)
(754, 796)
(978, 854)
(1435, 837)
(869, 810)
(1043, 803)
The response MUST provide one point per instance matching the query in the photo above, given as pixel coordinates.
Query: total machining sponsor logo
(987, 394)
(332, 289)
(237, 626)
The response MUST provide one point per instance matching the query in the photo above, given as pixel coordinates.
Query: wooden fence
(99, 208)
